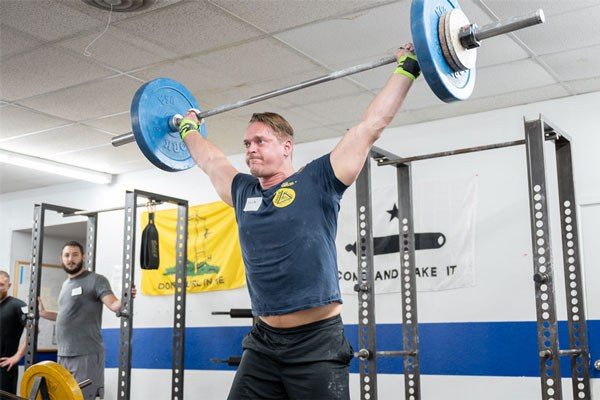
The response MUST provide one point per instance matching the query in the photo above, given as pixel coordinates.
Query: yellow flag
(214, 255)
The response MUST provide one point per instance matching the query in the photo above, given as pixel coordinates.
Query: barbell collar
(469, 37)
(174, 121)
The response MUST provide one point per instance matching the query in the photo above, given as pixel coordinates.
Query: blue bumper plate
(446, 83)
(152, 107)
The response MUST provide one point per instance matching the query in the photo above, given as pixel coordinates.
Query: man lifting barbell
(287, 223)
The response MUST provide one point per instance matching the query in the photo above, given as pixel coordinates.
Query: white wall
(504, 289)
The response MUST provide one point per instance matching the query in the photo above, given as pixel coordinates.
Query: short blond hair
(282, 129)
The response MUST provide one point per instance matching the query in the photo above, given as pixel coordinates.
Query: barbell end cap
(174, 122)
(541, 16)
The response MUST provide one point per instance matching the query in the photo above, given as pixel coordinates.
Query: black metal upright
(580, 357)
(35, 277)
(366, 285)
(543, 268)
(126, 313)
(90, 241)
(410, 322)
(179, 306)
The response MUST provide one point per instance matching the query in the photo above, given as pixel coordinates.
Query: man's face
(72, 259)
(265, 154)
(4, 286)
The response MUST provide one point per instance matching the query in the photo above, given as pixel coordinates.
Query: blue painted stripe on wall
(471, 348)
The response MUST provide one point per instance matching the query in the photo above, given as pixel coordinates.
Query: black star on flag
(393, 212)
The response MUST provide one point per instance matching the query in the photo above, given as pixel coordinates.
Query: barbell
(445, 45)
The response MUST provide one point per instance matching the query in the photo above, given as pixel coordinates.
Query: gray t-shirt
(80, 315)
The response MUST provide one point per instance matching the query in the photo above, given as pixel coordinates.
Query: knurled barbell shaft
(509, 25)
(129, 137)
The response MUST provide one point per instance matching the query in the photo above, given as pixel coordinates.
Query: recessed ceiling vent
(120, 5)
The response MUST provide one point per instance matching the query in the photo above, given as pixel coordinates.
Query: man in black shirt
(12, 321)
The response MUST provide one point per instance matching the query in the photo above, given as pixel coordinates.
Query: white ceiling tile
(46, 20)
(14, 179)
(119, 49)
(585, 85)
(44, 70)
(195, 76)
(306, 95)
(13, 42)
(106, 158)
(358, 38)
(274, 15)
(564, 32)
(511, 8)
(374, 79)
(420, 96)
(475, 105)
(499, 50)
(510, 77)
(343, 109)
(575, 64)
(92, 100)
(475, 13)
(242, 66)
(189, 27)
(118, 124)
(15, 121)
(58, 140)
(322, 91)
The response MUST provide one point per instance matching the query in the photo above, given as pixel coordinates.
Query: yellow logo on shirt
(284, 197)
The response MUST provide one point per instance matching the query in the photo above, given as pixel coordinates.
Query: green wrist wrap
(186, 126)
(408, 66)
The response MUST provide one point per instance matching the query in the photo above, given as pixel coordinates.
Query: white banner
(444, 217)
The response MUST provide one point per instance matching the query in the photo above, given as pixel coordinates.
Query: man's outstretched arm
(208, 157)
(349, 155)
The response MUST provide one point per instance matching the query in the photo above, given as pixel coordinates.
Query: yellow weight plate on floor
(61, 384)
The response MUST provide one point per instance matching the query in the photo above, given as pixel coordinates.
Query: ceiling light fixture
(53, 167)
(120, 5)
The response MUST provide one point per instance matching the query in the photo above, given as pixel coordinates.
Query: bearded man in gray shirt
(79, 320)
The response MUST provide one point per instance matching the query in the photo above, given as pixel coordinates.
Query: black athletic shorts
(308, 362)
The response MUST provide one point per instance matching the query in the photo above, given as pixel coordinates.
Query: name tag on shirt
(76, 291)
(24, 310)
(252, 203)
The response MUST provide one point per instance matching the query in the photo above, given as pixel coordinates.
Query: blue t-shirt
(287, 235)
